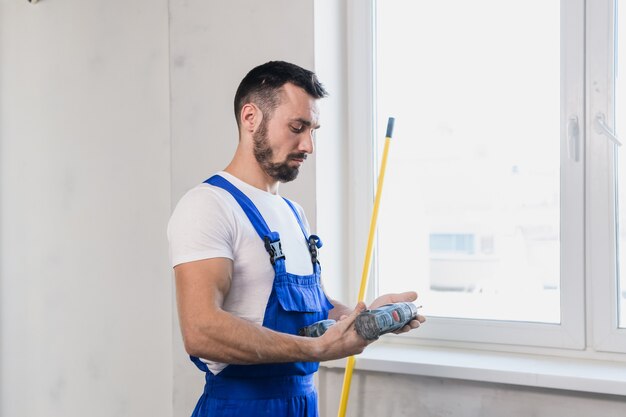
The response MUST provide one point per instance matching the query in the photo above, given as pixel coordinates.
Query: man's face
(282, 143)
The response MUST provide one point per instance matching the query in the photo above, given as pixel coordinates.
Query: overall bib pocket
(301, 302)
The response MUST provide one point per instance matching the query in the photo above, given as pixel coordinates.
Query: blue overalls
(282, 389)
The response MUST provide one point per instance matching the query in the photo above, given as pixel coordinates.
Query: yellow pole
(347, 377)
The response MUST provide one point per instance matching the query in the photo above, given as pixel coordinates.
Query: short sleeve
(201, 227)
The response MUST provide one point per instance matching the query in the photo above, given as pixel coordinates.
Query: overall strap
(271, 239)
(295, 212)
(313, 241)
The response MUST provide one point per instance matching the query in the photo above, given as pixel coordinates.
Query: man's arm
(210, 332)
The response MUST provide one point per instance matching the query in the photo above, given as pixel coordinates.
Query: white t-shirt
(209, 223)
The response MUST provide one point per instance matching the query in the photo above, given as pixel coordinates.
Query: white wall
(332, 146)
(85, 316)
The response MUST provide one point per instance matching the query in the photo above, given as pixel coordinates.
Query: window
(502, 195)
(467, 159)
(606, 166)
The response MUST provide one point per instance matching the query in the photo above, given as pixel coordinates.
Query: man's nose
(306, 144)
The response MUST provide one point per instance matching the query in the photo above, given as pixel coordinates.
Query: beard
(279, 171)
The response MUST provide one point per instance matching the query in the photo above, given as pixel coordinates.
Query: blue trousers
(292, 396)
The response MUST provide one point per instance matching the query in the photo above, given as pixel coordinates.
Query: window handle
(573, 138)
(602, 129)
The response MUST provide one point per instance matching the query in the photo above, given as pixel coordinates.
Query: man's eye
(297, 129)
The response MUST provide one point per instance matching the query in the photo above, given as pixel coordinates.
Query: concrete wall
(382, 394)
(85, 290)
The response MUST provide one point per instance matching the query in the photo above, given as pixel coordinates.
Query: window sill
(596, 376)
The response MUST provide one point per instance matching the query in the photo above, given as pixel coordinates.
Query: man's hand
(341, 339)
(409, 297)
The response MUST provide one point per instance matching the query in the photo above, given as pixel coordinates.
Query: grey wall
(85, 307)
(382, 394)
(212, 47)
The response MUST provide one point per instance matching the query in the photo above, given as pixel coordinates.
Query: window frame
(588, 322)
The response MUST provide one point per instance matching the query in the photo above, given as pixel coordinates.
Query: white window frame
(601, 227)
(588, 322)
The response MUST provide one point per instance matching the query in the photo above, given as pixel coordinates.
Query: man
(247, 274)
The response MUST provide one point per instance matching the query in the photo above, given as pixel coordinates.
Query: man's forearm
(230, 339)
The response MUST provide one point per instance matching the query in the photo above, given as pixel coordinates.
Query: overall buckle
(314, 244)
(274, 249)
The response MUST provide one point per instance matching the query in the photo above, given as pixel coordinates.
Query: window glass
(470, 216)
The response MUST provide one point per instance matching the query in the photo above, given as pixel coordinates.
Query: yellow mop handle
(347, 377)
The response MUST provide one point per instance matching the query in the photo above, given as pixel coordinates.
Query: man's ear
(251, 117)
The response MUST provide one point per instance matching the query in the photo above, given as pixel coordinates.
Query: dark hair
(262, 84)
